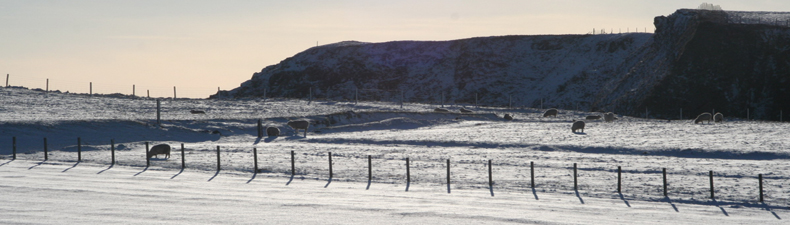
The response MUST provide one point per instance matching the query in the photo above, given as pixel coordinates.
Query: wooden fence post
(293, 164)
(147, 159)
(158, 110)
(710, 175)
(490, 175)
(47, 88)
(532, 174)
(619, 179)
(133, 94)
(112, 150)
(370, 169)
(183, 162)
(79, 150)
(260, 128)
(330, 165)
(575, 184)
(448, 176)
(255, 158)
(218, 164)
(6, 79)
(46, 157)
(90, 92)
(760, 179)
(174, 93)
(13, 146)
(408, 174)
(664, 172)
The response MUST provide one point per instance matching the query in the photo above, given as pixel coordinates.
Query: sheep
(272, 131)
(609, 117)
(577, 125)
(593, 118)
(718, 117)
(159, 149)
(508, 117)
(197, 111)
(550, 112)
(463, 110)
(440, 110)
(702, 118)
(299, 124)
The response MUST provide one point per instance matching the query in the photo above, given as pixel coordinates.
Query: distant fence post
(490, 175)
(442, 99)
(293, 164)
(408, 174)
(79, 149)
(133, 90)
(370, 169)
(575, 184)
(183, 162)
(532, 174)
(710, 175)
(619, 179)
(90, 91)
(664, 172)
(330, 165)
(260, 128)
(448, 176)
(255, 158)
(401, 99)
(112, 150)
(760, 179)
(174, 92)
(218, 165)
(13, 147)
(6, 79)
(147, 159)
(47, 87)
(46, 157)
(158, 113)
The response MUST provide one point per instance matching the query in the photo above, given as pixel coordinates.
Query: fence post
(330, 165)
(90, 92)
(760, 178)
(158, 109)
(681, 113)
(79, 150)
(356, 96)
(13, 146)
(448, 176)
(490, 175)
(112, 150)
(401, 98)
(147, 159)
(183, 162)
(47, 87)
(619, 179)
(442, 99)
(370, 169)
(664, 172)
(174, 93)
(532, 174)
(218, 165)
(46, 157)
(255, 158)
(408, 174)
(293, 164)
(260, 129)
(148, 93)
(710, 174)
(132, 90)
(6, 79)
(575, 183)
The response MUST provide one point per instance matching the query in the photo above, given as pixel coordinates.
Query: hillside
(698, 60)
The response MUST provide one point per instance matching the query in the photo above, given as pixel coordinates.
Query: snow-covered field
(61, 189)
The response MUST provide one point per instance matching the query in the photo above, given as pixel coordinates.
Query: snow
(62, 190)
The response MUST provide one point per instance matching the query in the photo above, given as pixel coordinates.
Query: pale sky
(199, 46)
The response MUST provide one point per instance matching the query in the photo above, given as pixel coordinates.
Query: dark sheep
(197, 111)
(508, 117)
(301, 124)
(577, 125)
(440, 110)
(551, 112)
(159, 149)
(702, 118)
(593, 118)
(272, 131)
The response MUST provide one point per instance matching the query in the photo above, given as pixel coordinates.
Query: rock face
(697, 60)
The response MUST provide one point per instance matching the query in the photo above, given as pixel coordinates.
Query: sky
(200, 46)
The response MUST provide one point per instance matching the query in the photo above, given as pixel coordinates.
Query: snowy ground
(61, 189)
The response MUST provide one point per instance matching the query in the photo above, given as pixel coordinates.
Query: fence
(470, 174)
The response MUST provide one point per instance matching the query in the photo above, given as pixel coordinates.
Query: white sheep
(702, 118)
(718, 117)
(577, 125)
(299, 124)
(551, 112)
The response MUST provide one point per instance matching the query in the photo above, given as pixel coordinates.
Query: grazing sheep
(593, 118)
(718, 117)
(197, 111)
(463, 110)
(577, 125)
(508, 117)
(702, 118)
(551, 112)
(440, 110)
(299, 124)
(608, 117)
(159, 149)
(272, 131)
